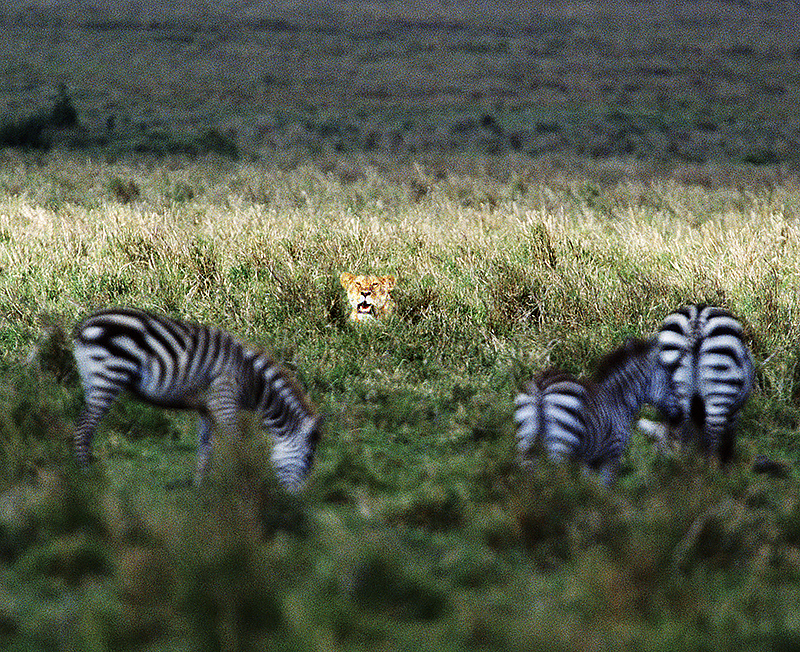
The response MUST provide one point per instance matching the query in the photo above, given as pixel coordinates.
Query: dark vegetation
(647, 81)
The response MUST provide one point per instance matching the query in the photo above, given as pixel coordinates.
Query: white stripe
(719, 322)
(92, 332)
(129, 321)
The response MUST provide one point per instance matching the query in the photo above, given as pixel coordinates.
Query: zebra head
(661, 393)
(293, 452)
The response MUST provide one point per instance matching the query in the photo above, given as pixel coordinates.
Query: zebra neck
(625, 388)
(276, 396)
(282, 417)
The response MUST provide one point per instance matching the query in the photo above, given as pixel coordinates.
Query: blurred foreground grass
(416, 531)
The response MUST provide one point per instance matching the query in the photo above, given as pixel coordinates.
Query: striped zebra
(590, 420)
(174, 364)
(703, 350)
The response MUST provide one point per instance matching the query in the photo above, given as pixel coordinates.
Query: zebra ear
(315, 428)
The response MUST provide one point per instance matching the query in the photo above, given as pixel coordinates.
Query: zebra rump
(180, 365)
(550, 412)
(554, 414)
(703, 350)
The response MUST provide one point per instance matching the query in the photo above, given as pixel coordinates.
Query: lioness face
(368, 296)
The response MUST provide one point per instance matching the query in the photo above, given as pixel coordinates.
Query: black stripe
(722, 349)
(258, 384)
(120, 351)
(673, 327)
(724, 381)
(720, 330)
(165, 342)
(711, 312)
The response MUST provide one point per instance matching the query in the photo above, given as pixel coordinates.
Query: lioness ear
(388, 281)
(346, 279)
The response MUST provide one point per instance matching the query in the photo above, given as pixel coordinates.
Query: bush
(37, 131)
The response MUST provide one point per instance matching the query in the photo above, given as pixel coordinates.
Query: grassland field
(193, 178)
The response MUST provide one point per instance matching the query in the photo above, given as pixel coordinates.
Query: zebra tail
(528, 415)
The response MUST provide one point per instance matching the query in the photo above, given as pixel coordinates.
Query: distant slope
(780, 15)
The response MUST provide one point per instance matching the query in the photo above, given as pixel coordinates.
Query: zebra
(590, 420)
(703, 350)
(176, 364)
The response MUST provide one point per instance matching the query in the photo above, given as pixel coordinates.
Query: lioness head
(368, 296)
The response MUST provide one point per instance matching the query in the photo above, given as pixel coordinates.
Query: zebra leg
(97, 405)
(727, 443)
(719, 432)
(203, 447)
(676, 435)
(223, 404)
(222, 410)
(608, 472)
(682, 436)
(713, 440)
(604, 472)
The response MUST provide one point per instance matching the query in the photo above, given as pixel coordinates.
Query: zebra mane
(553, 375)
(632, 348)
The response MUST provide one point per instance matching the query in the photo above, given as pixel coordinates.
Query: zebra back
(162, 361)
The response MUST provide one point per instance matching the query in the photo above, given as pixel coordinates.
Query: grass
(416, 531)
(444, 147)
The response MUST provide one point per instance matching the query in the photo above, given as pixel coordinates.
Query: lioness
(368, 296)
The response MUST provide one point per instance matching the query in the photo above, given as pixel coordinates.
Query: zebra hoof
(183, 483)
(762, 464)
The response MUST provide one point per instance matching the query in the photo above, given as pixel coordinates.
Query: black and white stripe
(590, 421)
(703, 350)
(175, 364)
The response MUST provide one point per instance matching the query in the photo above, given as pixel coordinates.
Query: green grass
(416, 531)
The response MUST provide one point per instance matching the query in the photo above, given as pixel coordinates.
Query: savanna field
(522, 235)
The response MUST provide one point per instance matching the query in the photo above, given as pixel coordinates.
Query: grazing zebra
(590, 421)
(175, 364)
(702, 349)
